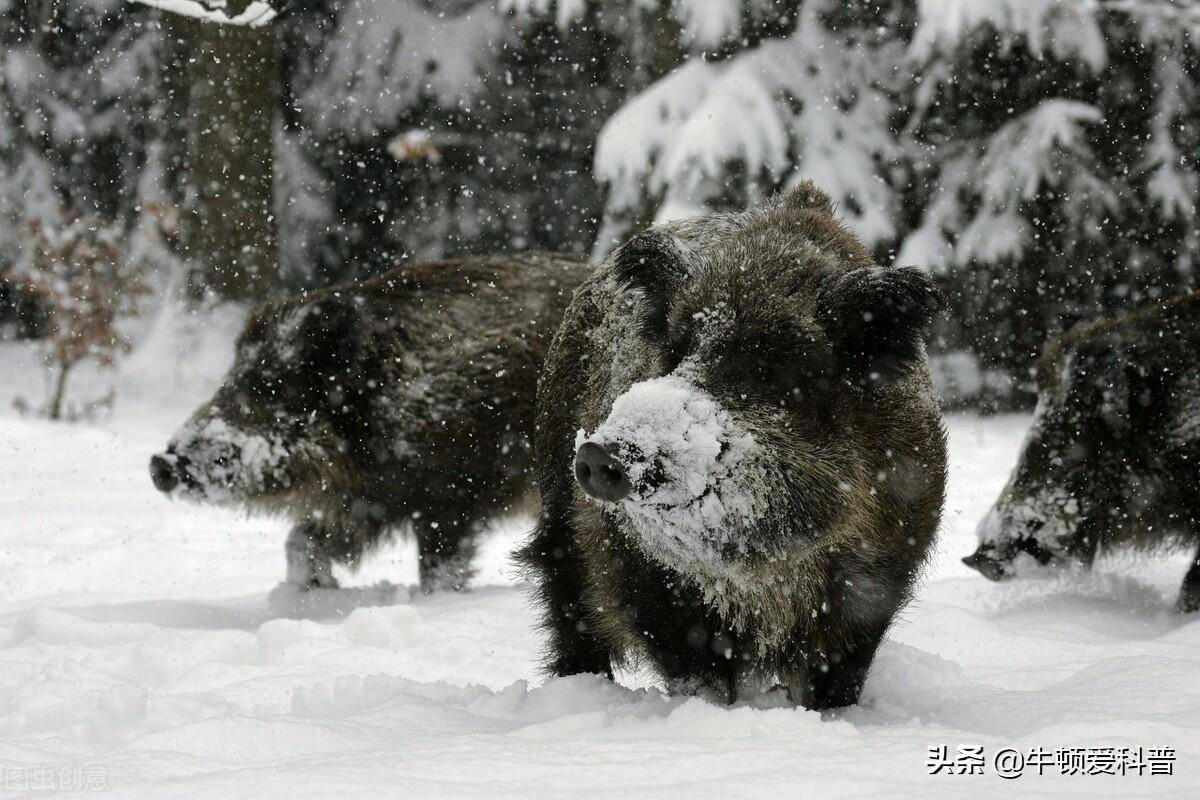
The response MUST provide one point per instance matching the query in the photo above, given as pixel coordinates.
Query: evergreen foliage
(1039, 158)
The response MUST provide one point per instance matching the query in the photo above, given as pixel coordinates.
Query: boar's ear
(807, 196)
(876, 319)
(328, 336)
(260, 325)
(656, 265)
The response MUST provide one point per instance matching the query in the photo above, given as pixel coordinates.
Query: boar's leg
(1189, 595)
(692, 647)
(314, 544)
(1083, 546)
(835, 679)
(836, 653)
(701, 663)
(445, 547)
(553, 559)
(309, 564)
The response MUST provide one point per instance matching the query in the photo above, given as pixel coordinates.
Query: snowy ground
(145, 650)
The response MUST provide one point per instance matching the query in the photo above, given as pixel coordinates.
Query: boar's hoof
(599, 474)
(1188, 602)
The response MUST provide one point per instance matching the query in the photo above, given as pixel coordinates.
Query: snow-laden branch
(788, 109)
(252, 13)
(1065, 29)
(1162, 19)
(386, 57)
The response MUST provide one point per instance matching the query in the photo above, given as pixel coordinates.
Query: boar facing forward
(741, 459)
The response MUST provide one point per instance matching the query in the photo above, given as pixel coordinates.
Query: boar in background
(358, 410)
(1113, 457)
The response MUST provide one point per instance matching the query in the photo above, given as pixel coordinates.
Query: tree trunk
(60, 390)
(224, 83)
(41, 18)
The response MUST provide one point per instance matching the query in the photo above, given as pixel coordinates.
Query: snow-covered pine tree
(457, 126)
(1038, 157)
(1053, 155)
(746, 115)
(250, 13)
(79, 112)
(378, 71)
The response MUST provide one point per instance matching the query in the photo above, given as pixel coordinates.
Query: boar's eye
(773, 371)
(328, 334)
(1105, 383)
(788, 377)
(656, 265)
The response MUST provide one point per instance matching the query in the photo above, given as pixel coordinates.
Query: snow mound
(148, 652)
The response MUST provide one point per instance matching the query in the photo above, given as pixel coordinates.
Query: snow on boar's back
(1113, 456)
(741, 460)
(357, 410)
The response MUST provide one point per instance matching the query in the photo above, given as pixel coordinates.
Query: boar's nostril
(162, 472)
(599, 474)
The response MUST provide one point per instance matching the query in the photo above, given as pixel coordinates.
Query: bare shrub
(83, 276)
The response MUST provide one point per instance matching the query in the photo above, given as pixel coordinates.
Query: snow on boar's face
(1086, 468)
(284, 418)
(741, 442)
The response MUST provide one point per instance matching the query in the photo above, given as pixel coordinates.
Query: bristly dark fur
(362, 409)
(1113, 457)
(759, 318)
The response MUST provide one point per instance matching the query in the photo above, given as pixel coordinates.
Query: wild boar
(359, 410)
(1113, 455)
(740, 454)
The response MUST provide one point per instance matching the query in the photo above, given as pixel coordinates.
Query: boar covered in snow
(1113, 456)
(361, 409)
(741, 459)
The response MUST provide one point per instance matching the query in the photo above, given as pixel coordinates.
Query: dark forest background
(1038, 158)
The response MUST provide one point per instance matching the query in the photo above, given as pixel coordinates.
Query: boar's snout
(162, 472)
(599, 474)
(994, 569)
(169, 470)
(998, 562)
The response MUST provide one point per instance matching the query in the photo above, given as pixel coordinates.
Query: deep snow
(147, 650)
